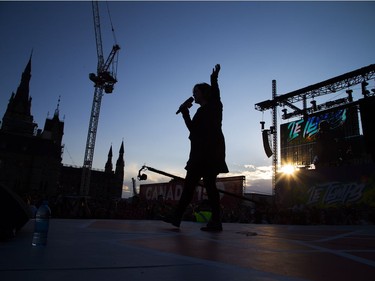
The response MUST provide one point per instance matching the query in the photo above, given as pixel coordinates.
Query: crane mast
(104, 80)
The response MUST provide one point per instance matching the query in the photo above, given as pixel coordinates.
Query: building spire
(108, 166)
(57, 110)
(120, 163)
(17, 117)
(122, 149)
(22, 99)
(53, 127)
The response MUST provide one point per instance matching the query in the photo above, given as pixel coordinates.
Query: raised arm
(214, 84)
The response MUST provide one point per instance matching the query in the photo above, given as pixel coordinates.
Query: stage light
(365, 92)
(262, 125)
(350, 97)
(285, 111)
(313, 103)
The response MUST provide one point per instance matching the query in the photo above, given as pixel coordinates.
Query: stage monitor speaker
(14, 212)
(266, 143)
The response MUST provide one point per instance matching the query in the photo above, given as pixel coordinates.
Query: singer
(207, 151)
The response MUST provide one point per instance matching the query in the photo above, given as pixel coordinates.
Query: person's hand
(184, 109)
(216, 70)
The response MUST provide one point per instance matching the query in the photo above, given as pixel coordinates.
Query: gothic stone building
(103, 185)
(31, 158)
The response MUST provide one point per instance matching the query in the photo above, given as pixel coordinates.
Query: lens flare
(288, 169)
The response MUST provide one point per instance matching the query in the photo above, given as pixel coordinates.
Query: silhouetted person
(207, 151)
(326, 146)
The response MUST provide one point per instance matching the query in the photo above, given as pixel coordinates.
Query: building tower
(17, 118)
(54, 128)
(30, 159)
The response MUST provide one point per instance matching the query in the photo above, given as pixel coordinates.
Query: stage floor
(135, 250)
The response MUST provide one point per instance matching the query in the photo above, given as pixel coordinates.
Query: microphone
(187, 103)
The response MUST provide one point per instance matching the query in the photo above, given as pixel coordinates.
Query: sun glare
(288, 169)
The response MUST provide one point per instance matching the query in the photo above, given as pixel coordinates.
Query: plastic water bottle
(42, 217)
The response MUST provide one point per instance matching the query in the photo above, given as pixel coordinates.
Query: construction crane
(104, 80)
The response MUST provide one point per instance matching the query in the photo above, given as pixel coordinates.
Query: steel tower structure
(330, 86)
(274, 139)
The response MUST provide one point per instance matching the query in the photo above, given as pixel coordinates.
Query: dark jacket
(207, 151)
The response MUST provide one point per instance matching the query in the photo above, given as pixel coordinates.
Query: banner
(171, 191)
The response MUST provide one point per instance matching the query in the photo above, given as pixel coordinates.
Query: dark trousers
(191, 181)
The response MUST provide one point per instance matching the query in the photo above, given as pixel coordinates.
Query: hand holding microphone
(186, 104)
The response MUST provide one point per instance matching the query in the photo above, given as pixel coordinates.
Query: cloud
(258, 179)
(127, 191)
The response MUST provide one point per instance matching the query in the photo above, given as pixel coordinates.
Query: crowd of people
(136, 208)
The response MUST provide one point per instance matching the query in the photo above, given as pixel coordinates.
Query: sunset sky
(166, 48)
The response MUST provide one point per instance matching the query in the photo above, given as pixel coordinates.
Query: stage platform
(137, 250)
